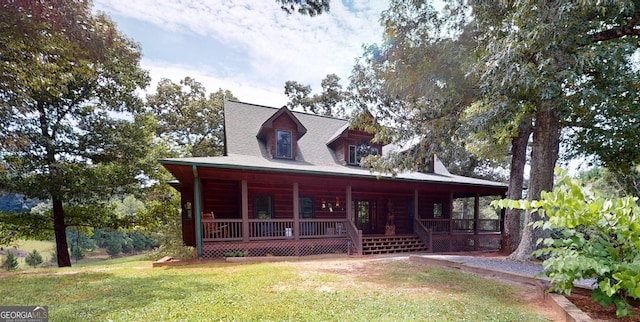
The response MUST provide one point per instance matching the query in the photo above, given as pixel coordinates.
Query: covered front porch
(277, 237)
(226, 212)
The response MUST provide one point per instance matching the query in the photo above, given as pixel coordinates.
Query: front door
(365, 212)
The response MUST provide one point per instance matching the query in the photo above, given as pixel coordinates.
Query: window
(437, 210)
(262, 207)
(353, 155)
(283, 144)
(306, 207)
(357, 152)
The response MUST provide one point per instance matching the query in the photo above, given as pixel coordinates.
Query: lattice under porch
(372, 245)
(303, 247)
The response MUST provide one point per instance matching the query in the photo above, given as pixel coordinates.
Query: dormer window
(360, 151)
(283, 144)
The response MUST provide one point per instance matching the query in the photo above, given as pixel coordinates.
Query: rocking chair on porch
(213, 229)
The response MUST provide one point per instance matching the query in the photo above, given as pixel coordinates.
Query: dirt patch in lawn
(374, 269)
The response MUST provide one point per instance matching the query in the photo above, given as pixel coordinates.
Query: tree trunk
(511, 236)
(544, 154)
(60, 229)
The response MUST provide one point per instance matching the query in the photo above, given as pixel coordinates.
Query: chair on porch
(213, 229)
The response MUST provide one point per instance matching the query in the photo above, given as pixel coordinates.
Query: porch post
(415, 205)
(450, 211)
(476, 219)
(476, 213)
(296, 211)
(198, 209)
(348, 212)
(245, 211)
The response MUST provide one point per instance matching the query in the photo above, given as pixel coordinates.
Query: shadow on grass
(95, 295)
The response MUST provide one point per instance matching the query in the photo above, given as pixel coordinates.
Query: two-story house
(290, 184)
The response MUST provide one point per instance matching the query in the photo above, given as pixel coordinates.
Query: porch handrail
(423, 232)
(221, 229)
(355, 235)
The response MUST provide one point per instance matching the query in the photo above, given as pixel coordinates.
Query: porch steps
(373, 245)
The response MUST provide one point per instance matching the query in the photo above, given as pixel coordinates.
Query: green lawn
(130, 290)
(45, 248)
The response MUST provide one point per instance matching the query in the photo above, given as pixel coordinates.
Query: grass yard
(319, 290)
(45, 248)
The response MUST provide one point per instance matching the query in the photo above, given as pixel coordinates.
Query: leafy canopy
(190, 121)
(71, 129)
(596, 237)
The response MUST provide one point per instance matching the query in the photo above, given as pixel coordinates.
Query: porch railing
(489, 225)
(443, 226)
(437, 226)
(355, 235)
(264, 229)
(423, 232)
(221, 229)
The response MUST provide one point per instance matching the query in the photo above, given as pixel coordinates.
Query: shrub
(113, 246)
(598, 238)
(33, 259)
(237, 253)
(10, 261)
(77, 253)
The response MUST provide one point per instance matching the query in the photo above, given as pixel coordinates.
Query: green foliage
(331, 102)
(417, 80)
(310, 8)
(114, 246)
(169, 237)
(598, 238)
(187, 118)
(10, 261)
(238, 253)
(68, 78)
(77, 253)
(77, 238)
(33, 259)
(141, 240)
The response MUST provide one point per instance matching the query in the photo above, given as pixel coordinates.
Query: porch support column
(476, 220)
(415, 205)
(296, 211)
(245, 211)
(476, 213)
(450, 211)
(348, 206)
(198, 209)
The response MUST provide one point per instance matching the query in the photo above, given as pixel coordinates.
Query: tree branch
(628, 29)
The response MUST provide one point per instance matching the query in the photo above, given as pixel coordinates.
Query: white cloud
(243, 90)
(278, 47)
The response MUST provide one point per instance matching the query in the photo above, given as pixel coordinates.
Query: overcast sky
(250, 47)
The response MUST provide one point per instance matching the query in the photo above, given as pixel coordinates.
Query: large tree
(566, 63)
(305, 7)
(70, 130)
(188, 119)
(415, 85)
(511, 69)
(330, 102)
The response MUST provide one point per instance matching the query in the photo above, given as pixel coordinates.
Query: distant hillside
(15, 202)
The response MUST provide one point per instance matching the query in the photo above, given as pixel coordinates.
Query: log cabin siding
(222, 197)
(281, 198)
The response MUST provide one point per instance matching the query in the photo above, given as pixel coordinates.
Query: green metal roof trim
(244, 162)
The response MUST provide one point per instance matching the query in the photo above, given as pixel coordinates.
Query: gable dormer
(351, 145)
(281, 133)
